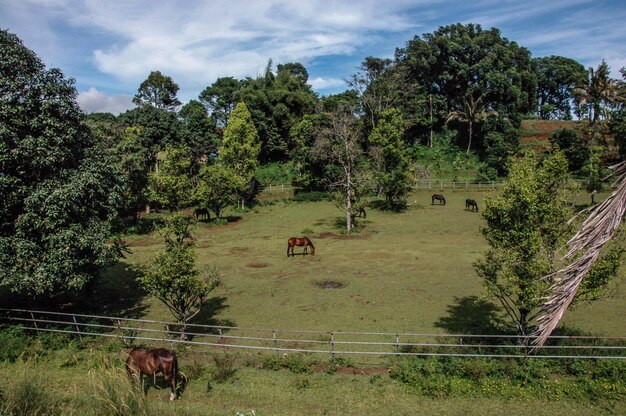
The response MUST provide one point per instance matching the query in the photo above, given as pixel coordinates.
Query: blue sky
(110, 46)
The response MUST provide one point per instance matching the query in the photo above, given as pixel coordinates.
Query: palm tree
(598, 94)
(473, 111)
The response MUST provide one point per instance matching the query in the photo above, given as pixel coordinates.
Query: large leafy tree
(199, 130)
(171, 275)
(393, 175)
(159, 91)
(220, 99)
(443, 69)
(241, 147)
(557, 76)
(58, 188)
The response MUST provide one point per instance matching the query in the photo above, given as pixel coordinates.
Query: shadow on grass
(117, 293)
(471, 315)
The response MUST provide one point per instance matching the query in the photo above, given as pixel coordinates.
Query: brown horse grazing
(470, 204)
(438, 197)
(150, 362)
(300, 241)
(201, 212)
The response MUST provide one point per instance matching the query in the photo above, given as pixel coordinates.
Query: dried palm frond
(597, 230)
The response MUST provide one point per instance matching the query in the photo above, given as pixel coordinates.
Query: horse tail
(175, 372)
(312, 246)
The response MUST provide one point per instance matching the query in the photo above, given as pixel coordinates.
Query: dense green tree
(393, 173)
(171, 275)
(158, 128)
(58, 188)
(309, 172)
(159, 91)
(575, 148)
(130, 159)
(557, 76)
(373, 88)
(241, 147)
(461, 61)
(171, 185)
(525, 225)
(217, 188)
(199, 131)
(220, 99)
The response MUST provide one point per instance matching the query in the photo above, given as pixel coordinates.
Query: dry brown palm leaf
(584, 249)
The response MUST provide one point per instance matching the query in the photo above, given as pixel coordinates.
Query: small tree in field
(526, 224)
(171, 275)
(217, 188)
(393, 177)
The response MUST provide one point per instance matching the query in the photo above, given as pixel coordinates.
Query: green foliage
(557, 76)
(59, 190)
(199, 130)
(573, 146)
(13, 343)
(274, 173)
(308, 166)
(159, 91)
(219, 99)
(313, 196)
(217, 187)
(171, 275)
(391, 159)
(487, 377)
(459, 61)
(525, 225)
(602, 275)
(444, 159)
(171, 185)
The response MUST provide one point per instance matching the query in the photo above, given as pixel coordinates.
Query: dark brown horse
(438, 197)
(470, 204)
(150, 362)
(201, 212)
(300, 241)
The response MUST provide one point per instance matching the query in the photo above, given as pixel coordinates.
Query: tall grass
(26, 394)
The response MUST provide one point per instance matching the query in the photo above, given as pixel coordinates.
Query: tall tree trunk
(348, 204)
(469, 142)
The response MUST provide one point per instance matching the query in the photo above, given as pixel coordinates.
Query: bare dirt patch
(239, 250)
(258, 265)
(340, 236)
(329, 284)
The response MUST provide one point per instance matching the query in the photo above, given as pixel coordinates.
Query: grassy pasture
(407, 272)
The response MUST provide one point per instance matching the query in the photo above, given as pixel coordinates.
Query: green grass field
(408, 272)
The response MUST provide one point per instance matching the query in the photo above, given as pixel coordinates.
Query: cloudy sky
(110, 46)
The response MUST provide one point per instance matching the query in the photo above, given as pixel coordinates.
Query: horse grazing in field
(470, 204)
(300, 241)
(150, 362)
(201, 212)
(438, 197)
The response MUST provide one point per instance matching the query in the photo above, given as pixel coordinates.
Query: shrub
(313, 196)
(224, 368)
(13, 343)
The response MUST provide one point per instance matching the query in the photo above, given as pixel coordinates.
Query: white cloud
(94, 101)
(320, 83)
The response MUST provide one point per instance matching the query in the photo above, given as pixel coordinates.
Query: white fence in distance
(333, 343)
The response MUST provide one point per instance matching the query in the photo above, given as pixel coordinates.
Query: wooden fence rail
(334, 343)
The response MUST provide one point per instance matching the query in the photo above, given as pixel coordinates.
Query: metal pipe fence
(334, 343)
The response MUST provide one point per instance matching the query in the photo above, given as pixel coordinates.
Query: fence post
(441, 185)
(34, 322)
(275, 341)
(398, 344)
(77, 328)
(332, 346)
